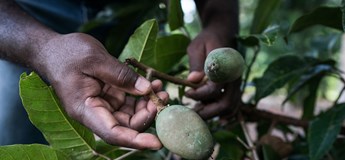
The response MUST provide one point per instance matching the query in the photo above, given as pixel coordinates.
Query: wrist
(40, 52)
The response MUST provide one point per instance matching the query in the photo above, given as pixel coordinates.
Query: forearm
(21, 36)
(219, 14)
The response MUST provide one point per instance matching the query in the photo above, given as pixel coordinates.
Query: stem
(161, 75)
(101, 155)
(247, 109)
(252, 112)
(341, 91)
(185, 30)
(256, 51)
(249, 140)
(243, 143)
(157, 101)
(126, 155)
(153, 97)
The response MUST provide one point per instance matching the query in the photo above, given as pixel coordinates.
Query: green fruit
(224, 65)
(182, 131)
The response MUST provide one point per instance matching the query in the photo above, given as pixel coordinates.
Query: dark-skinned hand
(214, 98)
(94, 88)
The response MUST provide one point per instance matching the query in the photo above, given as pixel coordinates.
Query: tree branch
(161, 75)
(247, 109)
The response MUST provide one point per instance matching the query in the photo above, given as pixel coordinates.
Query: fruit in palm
(224, 65)
(184, 132)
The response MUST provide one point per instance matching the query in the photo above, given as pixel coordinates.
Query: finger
(196, 52)
(196, 76)
(102, 123)
(112, 71)
(129, 106)
(226, 103)
(207, 92)
(211, 110)
(145, 113)
(157, 85)
(144, 116)
(113, 96)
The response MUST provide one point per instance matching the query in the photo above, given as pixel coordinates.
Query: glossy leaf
(249, 41)
(169, 51)
(278, 74)
(31, 152)
(142, 43)
(310, 78)
(175, 14)
(263, 15)
(309, 103)
(326, 16)
(267, 37)
(47, 114)
(323, 131)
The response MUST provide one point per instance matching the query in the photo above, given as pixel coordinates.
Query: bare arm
(90, 83)
(220, 25)
(222, 14)
(21, 36)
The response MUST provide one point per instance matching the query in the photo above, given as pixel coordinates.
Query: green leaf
(175, 14)
(47, 114)
(278, 73)
(311, 78)
(326, 16)
(108, 150)
(263, 15)
(31, 152)
(249, 41)
(141, 44)
(169, 51)
(267, 37)
(309, 102)
(323, 131)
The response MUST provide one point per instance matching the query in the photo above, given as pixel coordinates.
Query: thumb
(112, 71)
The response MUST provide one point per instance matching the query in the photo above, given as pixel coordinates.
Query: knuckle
(125, 76)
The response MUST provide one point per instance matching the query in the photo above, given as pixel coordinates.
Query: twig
(126, 149)
(251, 111)
(126, 155)
(257, 49)
(100, 155)
(161, 75)
(153, 97)
(341, 91)
(185, 30)
(246, 109)
(246, 135)
(243, 143)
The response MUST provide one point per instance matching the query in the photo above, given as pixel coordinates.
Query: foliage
(290, 48)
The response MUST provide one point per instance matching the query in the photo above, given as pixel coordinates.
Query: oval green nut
(224, 65)
(184, 132)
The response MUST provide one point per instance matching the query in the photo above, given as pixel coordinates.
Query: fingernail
(142, 85)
